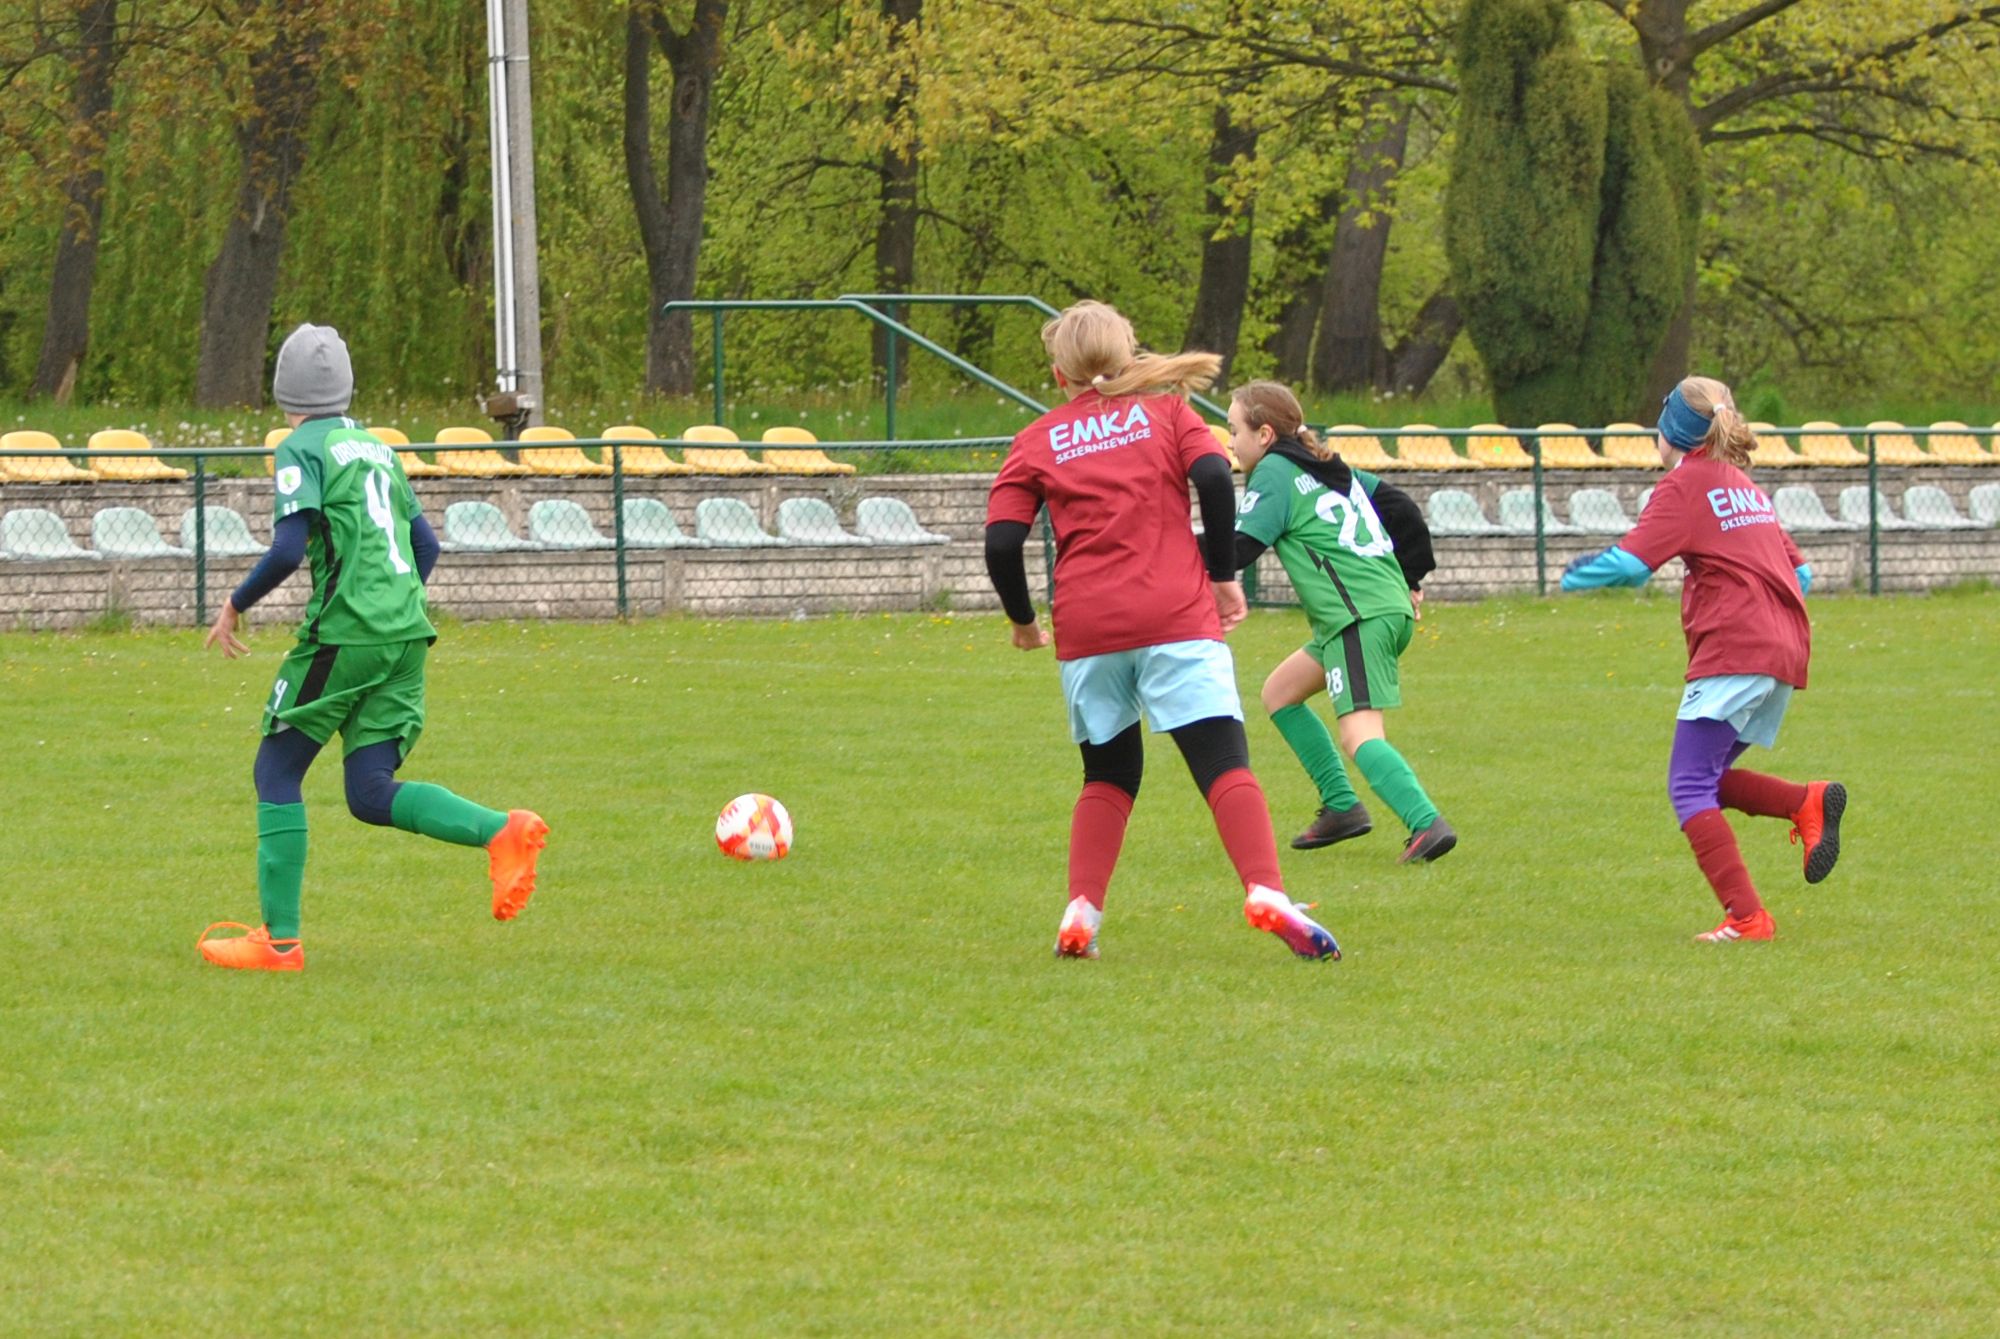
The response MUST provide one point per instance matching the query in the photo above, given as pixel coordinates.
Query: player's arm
(1800, 567)
(1215, 495)
(287, 552)
(1613, 567)
(424, 546)
(1404, 521)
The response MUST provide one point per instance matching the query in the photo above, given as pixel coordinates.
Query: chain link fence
(558, 527)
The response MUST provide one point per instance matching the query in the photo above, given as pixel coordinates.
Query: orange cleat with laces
(1759, 926)
(254, 950)
(1817, 826)
(510, 860)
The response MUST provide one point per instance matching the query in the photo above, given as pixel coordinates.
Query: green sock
(1391, 778)
(1307, 735)
(281, 866)
(436, 812)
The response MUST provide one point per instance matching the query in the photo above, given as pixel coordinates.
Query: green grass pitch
(851, 1093)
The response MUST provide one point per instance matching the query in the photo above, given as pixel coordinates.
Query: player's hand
(1030, 636)
(223, 630)
(1230, 606)
(1417, 604)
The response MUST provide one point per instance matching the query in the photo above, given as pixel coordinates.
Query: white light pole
(517, 294)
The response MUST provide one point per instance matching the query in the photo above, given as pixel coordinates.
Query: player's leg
(379, 733)
(297, 720)
(1815, 807)
(1363, 677)
(1341, 814)
(1701, 753)
(1101, 694)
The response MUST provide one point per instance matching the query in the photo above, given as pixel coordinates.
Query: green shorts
(1360, 662)
(366, 694)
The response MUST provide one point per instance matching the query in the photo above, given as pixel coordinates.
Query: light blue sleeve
(1613, 567)
(1804, 573)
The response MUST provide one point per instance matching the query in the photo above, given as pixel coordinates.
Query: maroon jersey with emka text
(1113, 473)
(1741, 607)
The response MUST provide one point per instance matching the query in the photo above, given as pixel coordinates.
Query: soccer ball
(753, 827)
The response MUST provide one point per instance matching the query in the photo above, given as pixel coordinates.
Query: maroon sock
(1244, 820)
(1721, 863)
(1764, 796)
(1096, 832)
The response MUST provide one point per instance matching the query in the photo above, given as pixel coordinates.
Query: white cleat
(1078, 936)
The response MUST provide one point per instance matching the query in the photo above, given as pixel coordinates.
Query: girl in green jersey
(1356, 550)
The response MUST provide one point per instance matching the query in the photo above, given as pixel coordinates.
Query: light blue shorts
(1176, 684)
(1753, 703)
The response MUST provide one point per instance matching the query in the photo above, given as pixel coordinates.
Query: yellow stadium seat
(803, 456)
(719, 459)
(52, 468)
(129, 469)
(1895, 446)
(1951, 444)
(475, 464)
(1773, 451)
(1361, 450)
(649, 460)
(271, 440)
(566, 460)
(414, 465)
(1824, 444)
(1631, 445)
(1487, 447)
(1417, 449)
(1564, 449)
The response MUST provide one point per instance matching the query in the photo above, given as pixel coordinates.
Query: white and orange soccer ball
(754, 827)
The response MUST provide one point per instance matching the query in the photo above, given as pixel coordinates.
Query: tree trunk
(1419, 354)
(1668, 58)
(1350, 356)
(1298, 272)
(1224, 285)
(670, 227)
(66, 333)
(240, 286)
(896, 192)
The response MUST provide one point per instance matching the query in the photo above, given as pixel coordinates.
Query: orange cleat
(1077, 937)
(510, 860)
(1759, 926)
(1817, 825)
(254, 950)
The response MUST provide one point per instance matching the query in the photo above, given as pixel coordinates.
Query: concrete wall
(782, 582)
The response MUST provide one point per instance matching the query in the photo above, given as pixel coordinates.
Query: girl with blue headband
(1743, 610)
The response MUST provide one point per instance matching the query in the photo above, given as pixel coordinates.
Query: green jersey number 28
(1360, 529)
(376, 485)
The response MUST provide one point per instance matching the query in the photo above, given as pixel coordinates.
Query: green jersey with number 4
(366, 591)
(1333, 546)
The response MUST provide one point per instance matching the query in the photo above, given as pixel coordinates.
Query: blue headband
(1683, 428)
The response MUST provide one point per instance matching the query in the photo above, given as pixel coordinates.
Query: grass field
(851, 1093)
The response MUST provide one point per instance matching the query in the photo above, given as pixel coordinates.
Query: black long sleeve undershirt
(1215, 493)
(288, 552)
(1007, 568)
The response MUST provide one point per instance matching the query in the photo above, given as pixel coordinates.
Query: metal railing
(1922, 510)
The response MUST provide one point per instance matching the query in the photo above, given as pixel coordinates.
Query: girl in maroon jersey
(1139, 607)
(1743, 609)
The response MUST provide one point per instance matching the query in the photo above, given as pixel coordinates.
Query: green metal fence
(168, 532)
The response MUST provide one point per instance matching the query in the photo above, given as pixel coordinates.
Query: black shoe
(1334, 825)
(1429, 844)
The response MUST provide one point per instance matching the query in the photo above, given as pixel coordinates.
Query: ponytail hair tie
(1098, 380)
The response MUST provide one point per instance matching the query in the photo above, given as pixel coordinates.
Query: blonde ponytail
(1729, 436)
(1092, 343)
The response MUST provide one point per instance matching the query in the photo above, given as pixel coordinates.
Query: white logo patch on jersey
(289, 479)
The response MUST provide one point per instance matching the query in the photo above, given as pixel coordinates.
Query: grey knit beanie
(313, 375)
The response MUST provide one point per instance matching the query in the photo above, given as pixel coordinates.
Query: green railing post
(1874, 525)
(618, 523)
(1541, 534)
(889, 391)
(718, 365)
(200, 542)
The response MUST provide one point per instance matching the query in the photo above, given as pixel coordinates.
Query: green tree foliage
(1522, 209)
